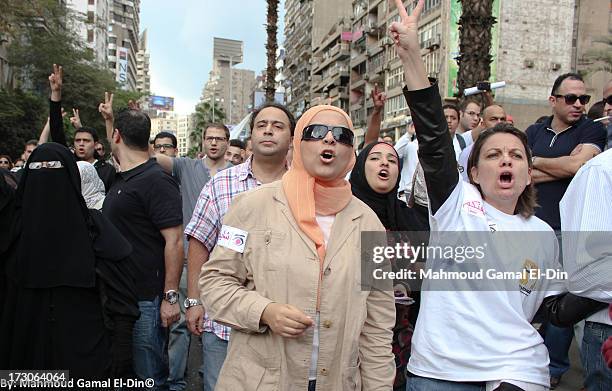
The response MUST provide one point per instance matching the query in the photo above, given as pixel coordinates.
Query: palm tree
(271, 47)
(205, 113)
(474, 43)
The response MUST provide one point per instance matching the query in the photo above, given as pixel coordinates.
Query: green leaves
(42, 33)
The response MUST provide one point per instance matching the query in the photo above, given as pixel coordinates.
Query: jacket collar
(345, 223)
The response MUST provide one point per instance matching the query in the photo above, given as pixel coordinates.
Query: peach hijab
(306, 194)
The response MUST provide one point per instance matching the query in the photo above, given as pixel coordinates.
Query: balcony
(358, 59)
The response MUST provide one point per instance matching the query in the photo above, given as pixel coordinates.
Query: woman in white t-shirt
(476, 334)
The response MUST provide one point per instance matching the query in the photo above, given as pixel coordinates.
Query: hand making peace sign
(405, 35)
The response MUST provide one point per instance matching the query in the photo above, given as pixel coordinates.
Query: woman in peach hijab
(286, 275)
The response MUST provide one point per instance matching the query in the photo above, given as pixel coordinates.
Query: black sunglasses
(570, 99)
(341, 134)
(608, 100)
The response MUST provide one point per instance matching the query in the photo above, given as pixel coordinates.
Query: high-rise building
(330, 67)
(229, 87)
(143, 82)
(306, 25)
(123, 30)
(185, 126)
(92, 26)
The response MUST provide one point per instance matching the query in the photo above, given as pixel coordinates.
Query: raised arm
(106, 110)
(436, 153)
(55, 106)
(44, 133)
(373, 130)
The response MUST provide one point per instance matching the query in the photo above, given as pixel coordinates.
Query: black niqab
(55, 247)
(389, 209)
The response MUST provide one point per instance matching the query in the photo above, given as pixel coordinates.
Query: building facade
(123, 41)
(229, 87)
(92, 26)
(307, 24)
(143, 77)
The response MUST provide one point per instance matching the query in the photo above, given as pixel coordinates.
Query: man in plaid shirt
(272, 128)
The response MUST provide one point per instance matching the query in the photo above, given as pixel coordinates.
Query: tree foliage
(42, 33)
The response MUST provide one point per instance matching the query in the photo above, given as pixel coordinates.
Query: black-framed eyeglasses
(341, 134)
(608, 100)
(164, 146)
(570, 99)
(210, 139)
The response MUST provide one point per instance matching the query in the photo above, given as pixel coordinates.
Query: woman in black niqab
(58, 313)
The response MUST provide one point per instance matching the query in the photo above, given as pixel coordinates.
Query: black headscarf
(55, 246)
(388, 208)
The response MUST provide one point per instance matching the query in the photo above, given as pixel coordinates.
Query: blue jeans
(178, 347)
(558, 341)
(597, 375)
(214, 350)
(428, 384)
(150, 347)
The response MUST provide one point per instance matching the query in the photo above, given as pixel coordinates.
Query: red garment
(607, 346)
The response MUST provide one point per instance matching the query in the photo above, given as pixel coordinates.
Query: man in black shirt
(85, 138)
(144, 203)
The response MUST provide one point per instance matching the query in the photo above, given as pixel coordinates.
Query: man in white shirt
(586, 222)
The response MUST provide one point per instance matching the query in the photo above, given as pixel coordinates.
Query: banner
(122, 65)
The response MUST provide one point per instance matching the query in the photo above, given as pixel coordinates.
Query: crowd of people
(112, 262)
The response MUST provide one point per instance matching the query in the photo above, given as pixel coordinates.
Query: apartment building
(143, 77)
(330, 67)
(92, 26)
(123, 41)
(307, 24)
(230, 88)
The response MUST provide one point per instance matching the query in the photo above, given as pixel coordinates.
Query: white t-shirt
(410, 158)
(469, 335)
(464, 155)
(325, 223)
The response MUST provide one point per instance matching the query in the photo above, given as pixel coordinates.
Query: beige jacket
(279, 264)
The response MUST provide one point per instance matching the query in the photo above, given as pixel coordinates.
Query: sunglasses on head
(570, 99)
(341, 134)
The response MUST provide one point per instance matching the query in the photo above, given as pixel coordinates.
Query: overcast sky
(180, 42)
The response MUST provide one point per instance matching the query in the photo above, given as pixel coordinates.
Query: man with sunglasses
(560, 146)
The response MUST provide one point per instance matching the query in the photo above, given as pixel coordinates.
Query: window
(90, 17)
(432, 63)
(395, 77)
(112, 39)
(112, 52)
(92, 2)
(395, 105)
(90, 36)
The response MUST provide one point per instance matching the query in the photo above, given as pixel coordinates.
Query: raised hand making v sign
(55, 82)
(106, 109)
(405, 35)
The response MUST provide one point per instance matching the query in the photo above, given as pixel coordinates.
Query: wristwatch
(171, 296)
(188, 303)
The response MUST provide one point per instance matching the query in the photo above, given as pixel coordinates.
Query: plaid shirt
(212, 205)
